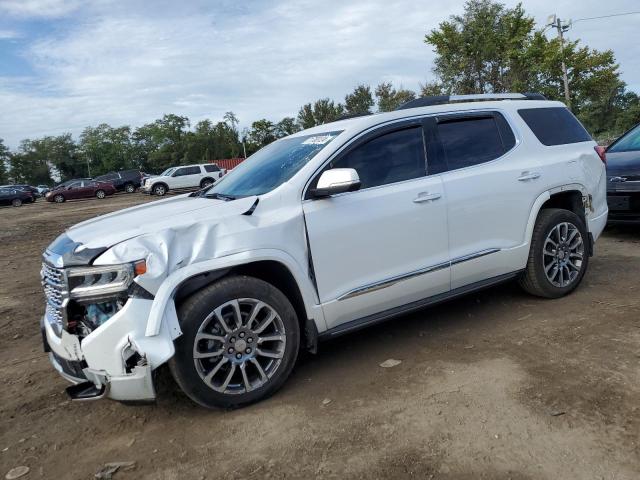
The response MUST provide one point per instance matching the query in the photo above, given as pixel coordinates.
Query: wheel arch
(569, 197)
(275, 267)
(213, 180)
(164, 184)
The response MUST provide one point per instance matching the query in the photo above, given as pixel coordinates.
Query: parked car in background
(43, 189)
(124, 181)
(66, 183)
(25, 188)
(188, 176)
(319, 234)
(80, 189)
(15, 197)
(623, 178)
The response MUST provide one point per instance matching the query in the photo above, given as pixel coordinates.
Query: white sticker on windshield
(318, 140)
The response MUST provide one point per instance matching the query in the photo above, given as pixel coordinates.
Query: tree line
(489, 48)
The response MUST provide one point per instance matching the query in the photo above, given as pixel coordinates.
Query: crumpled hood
(108, 230)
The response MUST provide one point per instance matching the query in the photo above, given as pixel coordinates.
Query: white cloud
(128, 63)
(39, 8)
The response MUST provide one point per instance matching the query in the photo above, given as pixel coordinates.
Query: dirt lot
(496, 385)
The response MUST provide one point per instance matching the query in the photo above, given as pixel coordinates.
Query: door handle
(426, 197)
(526, 176)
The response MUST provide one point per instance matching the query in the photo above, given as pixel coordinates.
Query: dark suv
(123, 181)
(623, 178)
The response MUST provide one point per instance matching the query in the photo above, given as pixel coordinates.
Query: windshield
(629, 143)
(271, 166)
(167, 172)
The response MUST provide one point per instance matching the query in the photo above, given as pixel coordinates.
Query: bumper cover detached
(97, 364)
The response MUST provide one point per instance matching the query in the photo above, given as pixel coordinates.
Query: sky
(69, 64)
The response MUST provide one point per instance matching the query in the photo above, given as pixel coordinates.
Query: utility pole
(555, 22)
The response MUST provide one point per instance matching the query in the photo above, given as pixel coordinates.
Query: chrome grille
(54, 285)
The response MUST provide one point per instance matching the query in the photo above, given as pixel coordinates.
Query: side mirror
(336, 180)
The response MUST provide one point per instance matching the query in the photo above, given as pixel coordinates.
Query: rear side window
(390, 158)
(474, 140)
(212, 168)
(554, 125)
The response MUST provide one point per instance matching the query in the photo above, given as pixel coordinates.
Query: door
(186, 177)
(74, 190)
(384, 245)
(490, 185)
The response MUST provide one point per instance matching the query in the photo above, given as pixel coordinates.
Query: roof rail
(444, 99)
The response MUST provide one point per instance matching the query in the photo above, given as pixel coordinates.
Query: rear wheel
(206, 182)
(100, 194)
(129, 188)
(16, 202)
(558, 258)
(240, 343)
(58, 198)
(159, 190)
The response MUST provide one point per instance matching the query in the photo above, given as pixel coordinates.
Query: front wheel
(206, 182)
(240, 343)
(100, 194)
(58, 198)
(159, 190)
(16, 202)
(129, 188)
(558, 257)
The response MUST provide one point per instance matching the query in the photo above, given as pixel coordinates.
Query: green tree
(322, 111)
(491, 48)
(360, 101)
(29, 164)
(5, 156)
(286, 126)
(389, 98)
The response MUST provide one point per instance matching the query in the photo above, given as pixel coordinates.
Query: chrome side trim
(391, 281)
(473, 256)
(372, 287)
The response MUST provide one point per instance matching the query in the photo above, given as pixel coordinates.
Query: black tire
(100, 194)
(129, 188)
(159, 189)
(16, 202)
(58, 198)
(194, 313)
(535, 280)
(205, 182)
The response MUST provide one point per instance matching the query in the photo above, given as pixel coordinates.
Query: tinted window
(187, 171)
(630, 142)
(212, 168)
(471, 141)
(554, 126)
(74, 185)
(389, 158)
(107, 177)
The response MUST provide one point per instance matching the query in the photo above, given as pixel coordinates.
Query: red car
(80, 189)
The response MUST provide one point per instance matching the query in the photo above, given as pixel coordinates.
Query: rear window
(212, 168)
(554, 125)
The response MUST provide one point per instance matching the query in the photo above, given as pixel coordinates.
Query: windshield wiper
(220, 196)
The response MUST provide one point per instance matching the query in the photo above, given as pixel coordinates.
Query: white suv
(188, 176)
(319, 234)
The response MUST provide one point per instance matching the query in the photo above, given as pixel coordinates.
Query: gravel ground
(496, 385)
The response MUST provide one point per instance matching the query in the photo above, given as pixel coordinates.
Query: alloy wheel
(239, 346)
(100, 194)
(16, 202)
(130, 188)
(563, 254)
(58, 198)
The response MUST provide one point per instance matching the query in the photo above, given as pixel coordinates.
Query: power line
(605, 16)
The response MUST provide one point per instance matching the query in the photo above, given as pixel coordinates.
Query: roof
(367, 121)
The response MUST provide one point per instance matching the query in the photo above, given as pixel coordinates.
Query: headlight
(102, 281)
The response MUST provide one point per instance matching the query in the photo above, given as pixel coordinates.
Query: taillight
(602, 153)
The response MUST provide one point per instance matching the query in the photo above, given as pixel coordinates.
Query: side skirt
(385, 315)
